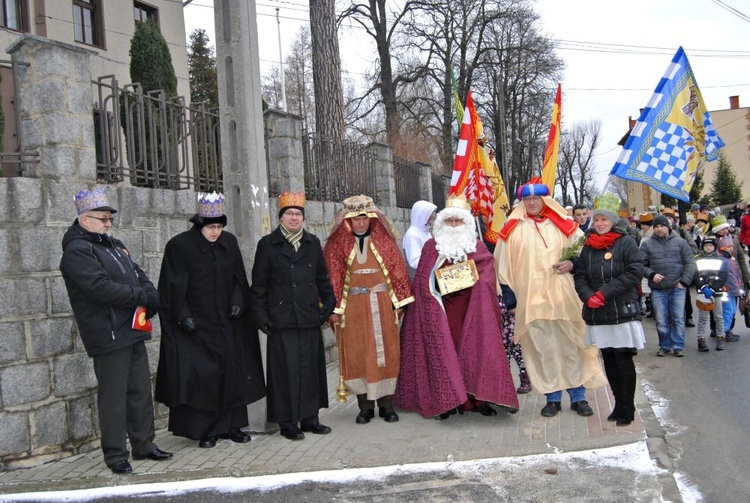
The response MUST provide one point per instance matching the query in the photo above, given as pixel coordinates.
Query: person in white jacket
(418, 233)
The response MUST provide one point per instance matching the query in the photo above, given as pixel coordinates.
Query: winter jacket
(711, 270)
(105, 286)
(671, 257)
(615, 272)
(745, 229)
(734, 278)
(290, 289)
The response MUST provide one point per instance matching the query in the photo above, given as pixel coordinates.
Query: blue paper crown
(87, 200)
(211, 205)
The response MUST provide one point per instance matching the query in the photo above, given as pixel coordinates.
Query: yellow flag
(549, 168)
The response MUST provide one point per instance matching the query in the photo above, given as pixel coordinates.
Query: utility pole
(281, 63)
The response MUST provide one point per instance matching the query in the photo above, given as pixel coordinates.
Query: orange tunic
(370, 337)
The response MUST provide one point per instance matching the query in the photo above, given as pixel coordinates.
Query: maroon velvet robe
(438, 375)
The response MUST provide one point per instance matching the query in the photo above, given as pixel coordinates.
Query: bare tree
(329, 101)
(575, 173)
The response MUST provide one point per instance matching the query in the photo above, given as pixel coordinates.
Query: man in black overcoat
(291, 298)
(210, 364)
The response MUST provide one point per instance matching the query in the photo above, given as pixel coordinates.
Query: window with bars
(87, 22)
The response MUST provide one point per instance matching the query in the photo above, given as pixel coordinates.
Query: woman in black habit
(210, 365)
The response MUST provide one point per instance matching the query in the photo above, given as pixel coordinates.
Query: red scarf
(602, 241)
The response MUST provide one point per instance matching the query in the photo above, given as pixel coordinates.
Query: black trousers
(124, 402)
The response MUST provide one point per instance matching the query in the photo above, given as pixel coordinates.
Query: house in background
(733, 126)
(103, 26)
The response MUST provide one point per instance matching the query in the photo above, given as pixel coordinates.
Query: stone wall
(47, 383)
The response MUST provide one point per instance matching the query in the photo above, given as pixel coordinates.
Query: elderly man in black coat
(210, 364)
(291, 298)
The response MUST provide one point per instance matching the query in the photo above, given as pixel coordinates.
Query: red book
(140, 322)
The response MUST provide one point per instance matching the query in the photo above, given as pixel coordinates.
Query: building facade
(102, 26)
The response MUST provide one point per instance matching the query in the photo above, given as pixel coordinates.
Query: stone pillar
(385, 182)
(53, 85)
(242, 149)
(425, 181)
(286, 168)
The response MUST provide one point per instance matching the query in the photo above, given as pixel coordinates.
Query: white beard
(455, 243)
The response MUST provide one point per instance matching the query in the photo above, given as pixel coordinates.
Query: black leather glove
(187, 325)
(234, 312)
(267, 328)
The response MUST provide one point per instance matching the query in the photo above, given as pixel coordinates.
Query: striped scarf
(294, 238)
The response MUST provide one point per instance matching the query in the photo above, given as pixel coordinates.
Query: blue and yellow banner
(674, 136)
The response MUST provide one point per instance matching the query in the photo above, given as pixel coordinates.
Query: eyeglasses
(103, 220)
(214, 227)
(293, 213)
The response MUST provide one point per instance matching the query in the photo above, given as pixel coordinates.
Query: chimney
(734, 102)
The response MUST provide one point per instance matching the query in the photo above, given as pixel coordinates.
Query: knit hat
(661, 220)
(607, 205)
(725, 242)
(719, 223)
(294, 200)
(709, 240)
(92, 200)
(646, 218)
(695, 207)
(690, 217)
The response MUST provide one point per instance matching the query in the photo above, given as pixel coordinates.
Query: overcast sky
(615, 53)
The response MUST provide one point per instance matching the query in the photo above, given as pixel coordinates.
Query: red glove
(596, 301)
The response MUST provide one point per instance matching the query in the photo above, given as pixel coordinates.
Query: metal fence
(440, 186)
(335, 170)
(166, 143)
(406, 176)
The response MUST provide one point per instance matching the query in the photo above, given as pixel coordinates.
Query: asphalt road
(707, 423)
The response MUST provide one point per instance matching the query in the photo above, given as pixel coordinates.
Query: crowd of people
(426, 324)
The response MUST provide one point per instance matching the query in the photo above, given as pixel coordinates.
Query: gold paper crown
(287, 199)
(607, 202)
(459, 202)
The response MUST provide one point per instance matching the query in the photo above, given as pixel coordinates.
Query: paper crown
(287, 199)
(359, 205)
(87, 200)
(719, 223)
(534, 187)
(668, 212)
(211, 205)
(646, 218)
(607, 202)
(458, 201)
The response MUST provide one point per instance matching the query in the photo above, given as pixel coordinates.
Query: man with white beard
(452, 355)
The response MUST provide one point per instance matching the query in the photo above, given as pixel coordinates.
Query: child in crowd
(734, 286)
(710, 278)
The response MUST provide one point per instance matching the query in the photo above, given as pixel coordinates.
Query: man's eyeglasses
(293, 213)
(103, 219)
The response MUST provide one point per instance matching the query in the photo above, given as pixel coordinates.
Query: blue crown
(87, 200)
(211, 205)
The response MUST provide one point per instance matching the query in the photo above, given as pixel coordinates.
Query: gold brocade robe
(549, 325)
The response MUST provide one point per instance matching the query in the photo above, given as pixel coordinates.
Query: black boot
(613, 375)
(628, 381)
